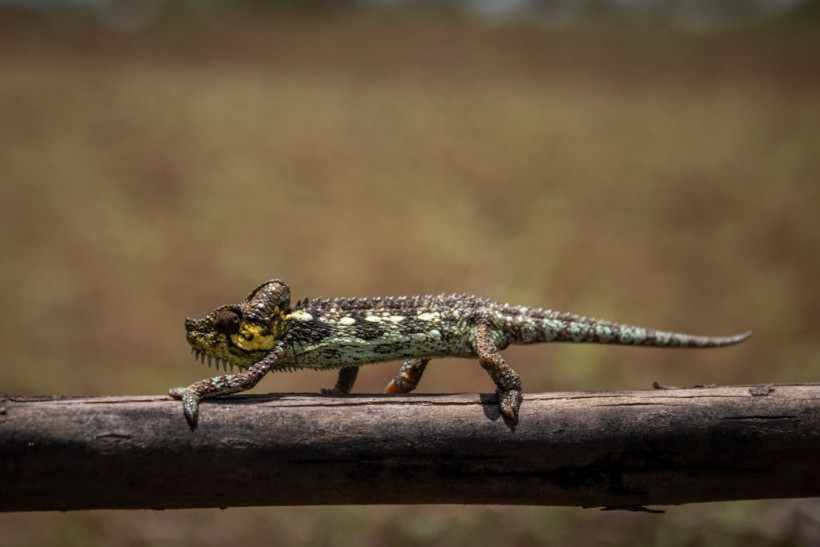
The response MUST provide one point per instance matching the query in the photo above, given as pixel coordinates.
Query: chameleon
(265, 333)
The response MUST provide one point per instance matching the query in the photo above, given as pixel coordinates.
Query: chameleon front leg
(409, 376)
(506, 379)
(344, 382)
(222, 385)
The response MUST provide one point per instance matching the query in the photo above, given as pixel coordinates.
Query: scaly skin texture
(264, 333)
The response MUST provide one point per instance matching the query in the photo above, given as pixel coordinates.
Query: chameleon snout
(194, 329)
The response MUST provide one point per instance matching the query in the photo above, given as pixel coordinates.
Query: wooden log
(609, 449)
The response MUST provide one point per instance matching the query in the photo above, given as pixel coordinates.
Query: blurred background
(653, 162)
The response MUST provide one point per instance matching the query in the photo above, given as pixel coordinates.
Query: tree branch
(611, 449)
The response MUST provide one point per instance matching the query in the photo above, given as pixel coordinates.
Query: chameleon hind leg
(409, 376)
(344, 382)
(506, 379)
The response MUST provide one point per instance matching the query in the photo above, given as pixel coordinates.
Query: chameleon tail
(628, 335)
(565, 327)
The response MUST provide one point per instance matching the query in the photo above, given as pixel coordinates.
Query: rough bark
(611, 449)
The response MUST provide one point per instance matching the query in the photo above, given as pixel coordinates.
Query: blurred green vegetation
(660, 178)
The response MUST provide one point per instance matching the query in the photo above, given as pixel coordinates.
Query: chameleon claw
(331, 391)
(190, 402)
(190, 406)
(397, 386)
(509, 402)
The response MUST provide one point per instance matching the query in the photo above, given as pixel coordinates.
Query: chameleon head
(241, 334)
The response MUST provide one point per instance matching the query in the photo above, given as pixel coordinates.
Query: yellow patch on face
(257, 340)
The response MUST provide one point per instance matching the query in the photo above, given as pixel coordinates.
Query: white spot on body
(347, 321)
(301, 315)
(428, 316)
(373, 319)
(396, 318)
(435, 335)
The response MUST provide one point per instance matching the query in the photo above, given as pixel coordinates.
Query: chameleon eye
(227, 322)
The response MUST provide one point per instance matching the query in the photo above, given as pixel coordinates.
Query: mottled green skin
(265, 333)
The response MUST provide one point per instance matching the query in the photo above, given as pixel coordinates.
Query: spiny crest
(394, 302)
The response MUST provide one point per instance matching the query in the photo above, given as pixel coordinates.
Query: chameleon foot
(344, 383)
(509, 402)
(397, 386)
(190, 402)
(409, 376)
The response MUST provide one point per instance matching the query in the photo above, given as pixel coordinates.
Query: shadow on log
(601, 449)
